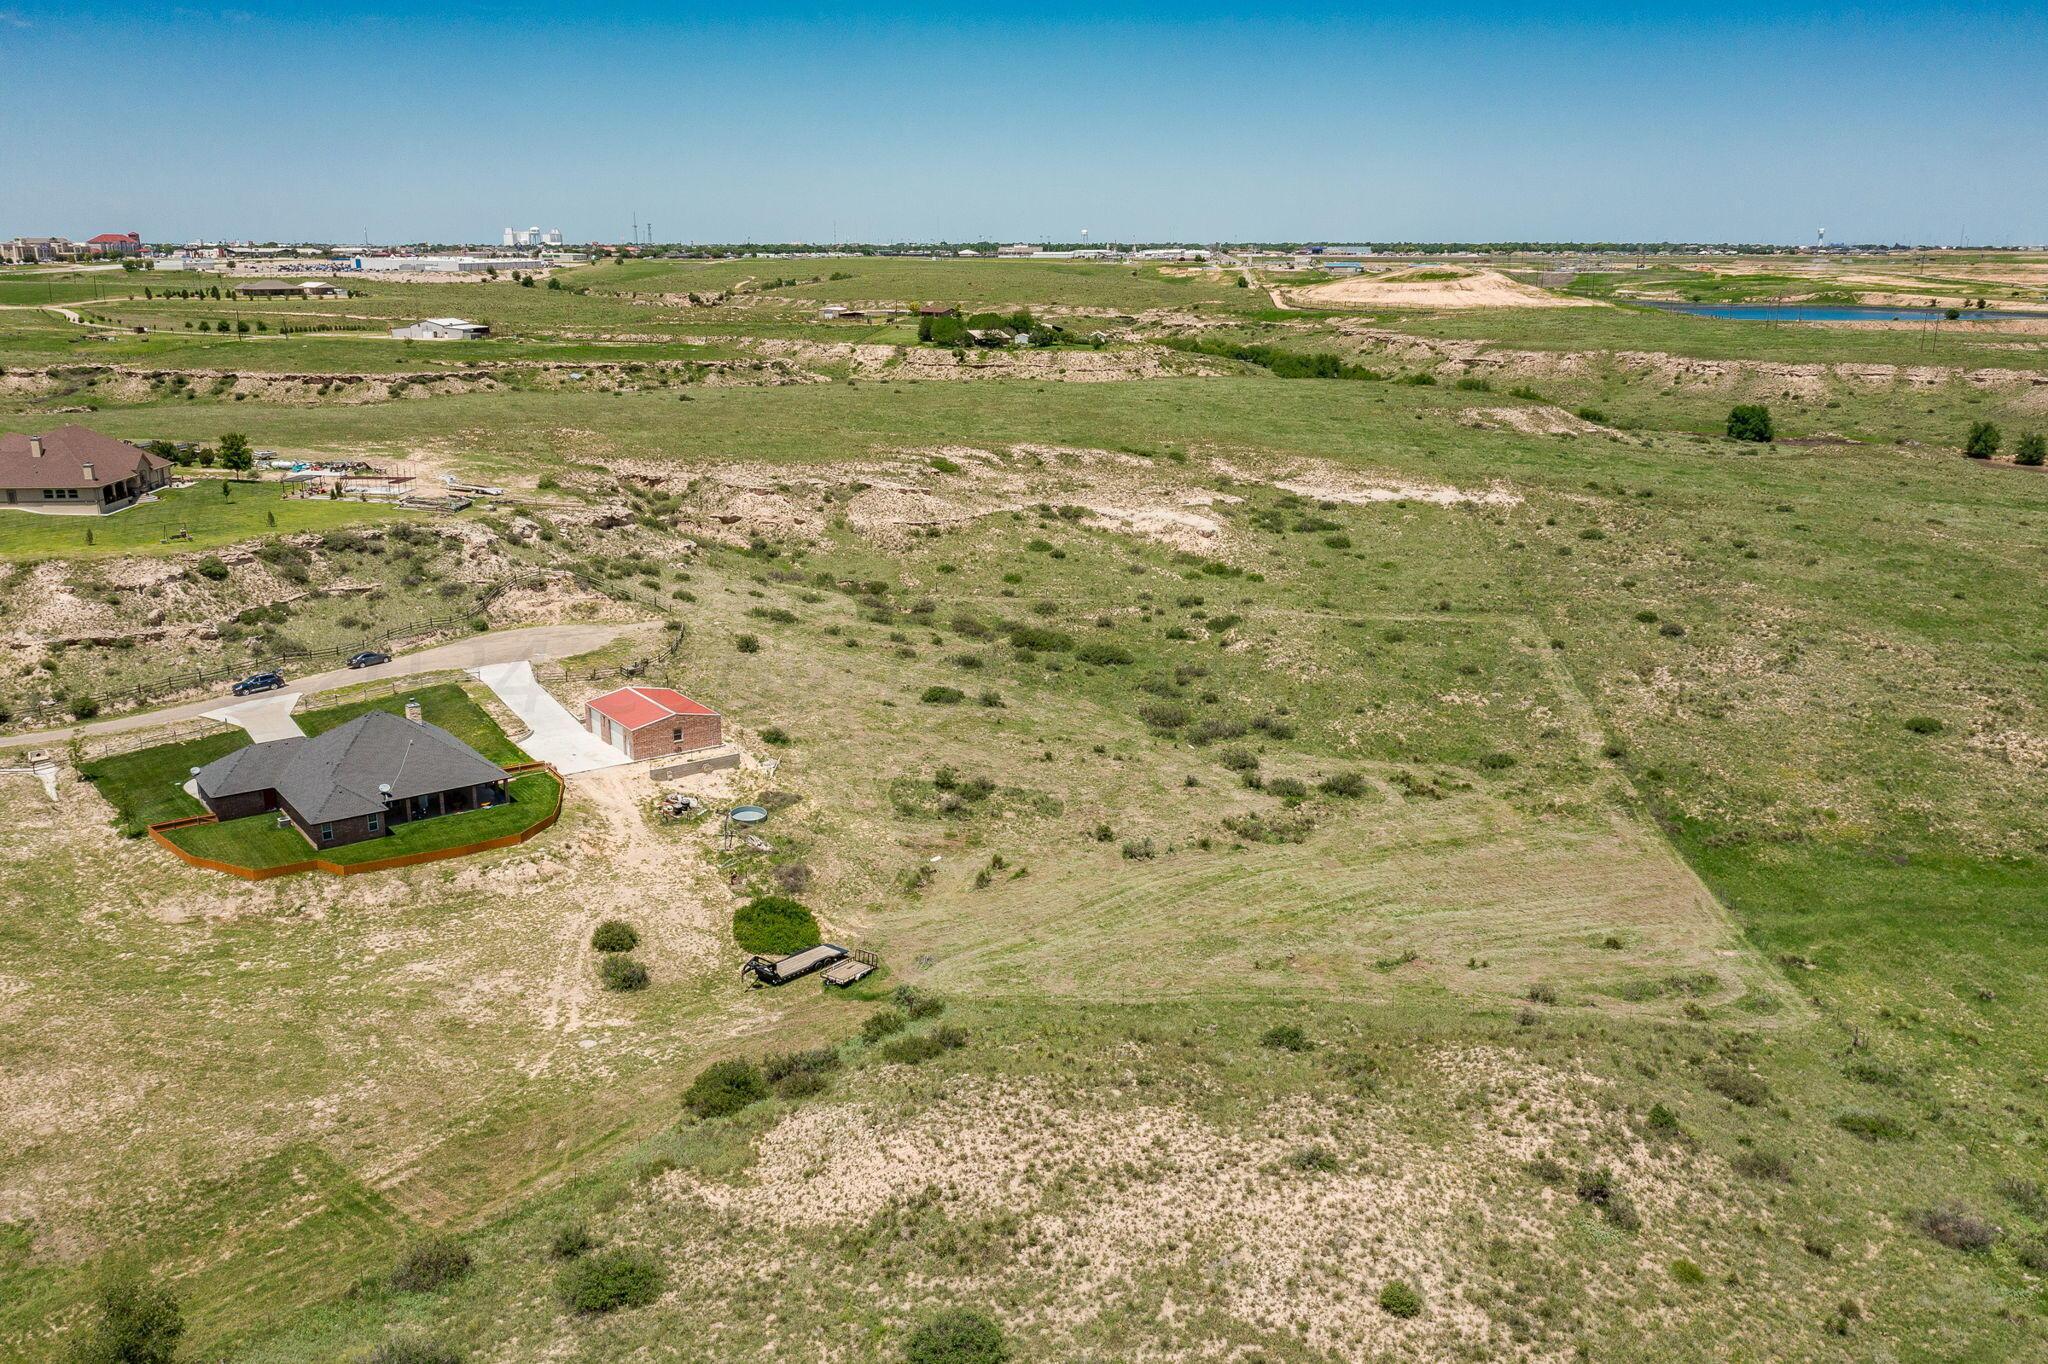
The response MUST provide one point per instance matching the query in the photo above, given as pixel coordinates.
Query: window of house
(326, 833)
(678, 735)
(376, 822)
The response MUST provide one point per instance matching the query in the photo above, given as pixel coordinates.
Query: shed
(653, 722)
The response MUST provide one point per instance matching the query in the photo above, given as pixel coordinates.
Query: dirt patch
(1115, 1200)
(1428, 289)
(1329, 485)
(1532, 421)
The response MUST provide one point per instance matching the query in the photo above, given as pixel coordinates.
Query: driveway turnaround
(267, 717)
(533, 642)
(556, 737)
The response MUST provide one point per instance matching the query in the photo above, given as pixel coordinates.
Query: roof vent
(35, 447)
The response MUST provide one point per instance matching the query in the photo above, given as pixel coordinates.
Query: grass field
(1353, 835)
(181, 520)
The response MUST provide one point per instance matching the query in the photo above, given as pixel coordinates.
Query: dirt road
(532, 644)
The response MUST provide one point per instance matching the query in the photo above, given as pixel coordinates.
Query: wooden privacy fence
(159, 831)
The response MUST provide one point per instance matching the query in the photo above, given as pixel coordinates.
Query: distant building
(76, 470)
(445, 265)
(442, 329)
(33, 250)
(115, 244)
(290, 288)
(1020, 249)
(652, 722)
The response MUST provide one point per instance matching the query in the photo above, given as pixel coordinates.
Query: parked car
(256, 682)
(368, 658)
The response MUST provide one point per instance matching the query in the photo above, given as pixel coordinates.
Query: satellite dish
(384, 789)
(747, 814)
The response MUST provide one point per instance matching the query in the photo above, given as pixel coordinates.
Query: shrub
(1285, 1037)
(1762, 1163)
(916, 1003)
(571, 1240)
(747, 644)
(2032, 1253)
(1238, 759)
(211, 567)
(724, 1087)
(608, 1281)
(619, 972)
(1661, 1120)
(1958, 1228)
(1688, 1273)
(2032, 450)
(775, 734)
(1739, 1086)
(1924, 724)
(134, 1322)
(1497, 762)
(1348, 785)
(1313, 1160)
(1859, 1122)
(1103, 655)
(414, 1350)
(1139, 850)
(910, 1051)
(782, 1065)
(877, 1026)
(774, 923)
(430, 1264)
(1164, 715)
(1397, 1299)
(615, 935)
(958, 1336)
(1983, 440)
(942, 696)
(1750, 422)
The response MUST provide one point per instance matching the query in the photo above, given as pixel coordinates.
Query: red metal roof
(635, 707)
(108, 238)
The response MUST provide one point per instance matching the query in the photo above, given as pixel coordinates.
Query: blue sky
(1196, 121)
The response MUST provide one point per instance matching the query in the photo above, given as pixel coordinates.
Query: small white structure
(442, 329)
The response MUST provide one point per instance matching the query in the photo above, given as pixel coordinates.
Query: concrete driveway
(532, 643)
(557, 736)
(266, 718)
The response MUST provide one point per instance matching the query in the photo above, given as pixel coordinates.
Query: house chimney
(85, 467)
(412, 711)
(35, 447)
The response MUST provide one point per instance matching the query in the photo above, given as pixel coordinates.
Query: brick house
(355, 781)
(78, 470)
(652, 722)
(115, 244)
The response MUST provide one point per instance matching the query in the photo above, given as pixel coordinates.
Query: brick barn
(652, 722)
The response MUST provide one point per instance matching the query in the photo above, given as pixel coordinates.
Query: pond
(1814, 312)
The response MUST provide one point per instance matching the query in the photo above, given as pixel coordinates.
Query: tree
(2032, 449)
(554, 283)
(135, 1323)
(1750, 422)
(1983, 440)
(234, 452)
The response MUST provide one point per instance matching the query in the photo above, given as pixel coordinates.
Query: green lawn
(210, 518)
(257, 842)
(446, 705)
(147, 786)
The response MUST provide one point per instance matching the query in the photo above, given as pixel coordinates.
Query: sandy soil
(1478, 289)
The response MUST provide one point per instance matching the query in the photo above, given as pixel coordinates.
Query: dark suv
(256, 682)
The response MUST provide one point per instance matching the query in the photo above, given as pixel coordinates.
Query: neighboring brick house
(355, 781)
(652, 722)
(75, 469)
(115, 244)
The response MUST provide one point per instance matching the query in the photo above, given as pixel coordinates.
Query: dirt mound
(1533, 421)
(1429, 288)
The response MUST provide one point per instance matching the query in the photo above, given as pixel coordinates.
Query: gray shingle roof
(336, 775)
